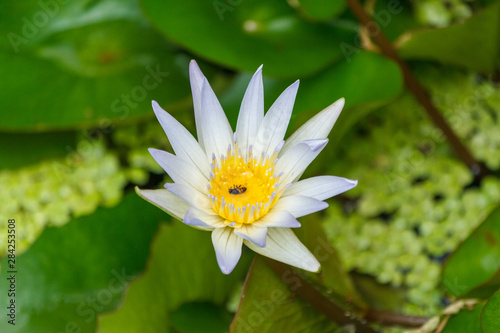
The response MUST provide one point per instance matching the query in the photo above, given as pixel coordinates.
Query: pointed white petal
(278, 219)
(318, 127)
(196, 78)
(166, 201)
(298, 205)
(253, 233)
(297, 159)
(282, 245)
(227, 248)
(251, 112)
(183, 143)
(191, 196)
(321, 188)
(217, 133)
(198, 218)
(274, 125)
(180, 170)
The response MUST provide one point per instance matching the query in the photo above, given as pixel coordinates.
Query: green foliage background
(419, 235)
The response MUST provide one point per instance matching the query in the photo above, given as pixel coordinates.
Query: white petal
(217, 133)
(166, 201)
(198, 218)
(184, 144)
(180, 170)
(274, 125)
(253, 233)
(251, 112)
(227, 248)
(282, 245)
(191, 196)
(298, 205)
(297, 159)
(196, 78)
(318, 127)
(278, 219)
(321, 188)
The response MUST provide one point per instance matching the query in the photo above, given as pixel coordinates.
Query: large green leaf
(267, 305)
(78, 63)
(72, 273)
(473, 44)
(18, 150)
(473, 270)
(245, 34)
(182, 269)
(490, 317)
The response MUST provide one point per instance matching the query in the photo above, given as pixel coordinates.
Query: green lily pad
(473, 270)
(182, 269)
(82, 64)
(490, 317)
(74, 272)
(473, 44)
(245, 34)
(19, 149)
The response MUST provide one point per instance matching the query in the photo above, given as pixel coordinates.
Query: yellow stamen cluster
(243, 189)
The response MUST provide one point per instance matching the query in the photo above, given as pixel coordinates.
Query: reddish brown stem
(394, 319)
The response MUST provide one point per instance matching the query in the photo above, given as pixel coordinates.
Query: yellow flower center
(243, 188)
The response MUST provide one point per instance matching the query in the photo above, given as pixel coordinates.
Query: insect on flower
(237, 189)
(244, 186)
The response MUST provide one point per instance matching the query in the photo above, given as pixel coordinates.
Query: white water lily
(243, 186)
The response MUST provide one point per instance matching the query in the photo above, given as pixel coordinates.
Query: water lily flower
(244, 186)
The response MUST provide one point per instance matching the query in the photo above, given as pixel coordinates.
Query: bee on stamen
(237, 189)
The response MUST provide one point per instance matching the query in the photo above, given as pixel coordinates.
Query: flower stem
(477, 168)
(394, 319)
